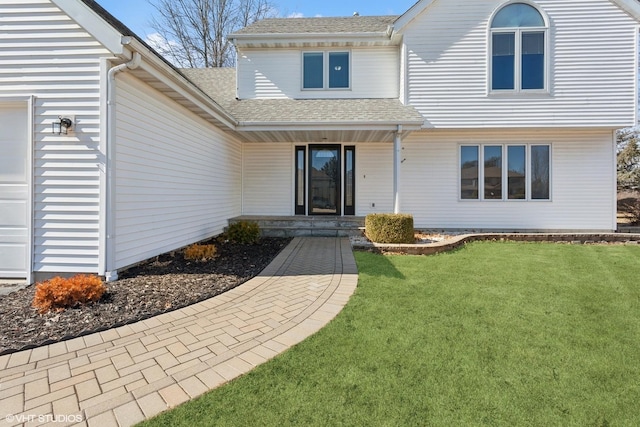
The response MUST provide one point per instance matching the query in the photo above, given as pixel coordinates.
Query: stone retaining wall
(457, 241)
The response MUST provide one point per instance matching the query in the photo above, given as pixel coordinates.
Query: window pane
(516, 182)
(493, 172)
(540, 172)
(348, 176)
(300, 178)
(518, 15)
(469, 172)
(313, 64)
(533, 60)
(503, 64)
(324, 180)
(338, 69)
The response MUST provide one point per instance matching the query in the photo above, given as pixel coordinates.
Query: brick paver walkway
(124, 375)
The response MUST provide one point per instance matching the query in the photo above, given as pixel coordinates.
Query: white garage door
(14, 190)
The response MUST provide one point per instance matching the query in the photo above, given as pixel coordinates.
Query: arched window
(518, 57)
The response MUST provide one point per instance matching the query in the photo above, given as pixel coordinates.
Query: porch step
(293, 226)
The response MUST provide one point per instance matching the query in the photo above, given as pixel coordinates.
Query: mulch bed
(165, 283)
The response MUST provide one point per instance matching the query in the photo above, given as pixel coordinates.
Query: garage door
(14, 190)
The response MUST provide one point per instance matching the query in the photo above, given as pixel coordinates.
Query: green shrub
(389, 228)
(630, 208)
(244, 232)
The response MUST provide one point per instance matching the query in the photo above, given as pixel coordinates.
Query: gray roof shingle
(352, 24)
(220, 84)
(324, 111)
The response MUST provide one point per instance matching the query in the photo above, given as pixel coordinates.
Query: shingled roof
(220, 84)
(325, 111)
(338, 25)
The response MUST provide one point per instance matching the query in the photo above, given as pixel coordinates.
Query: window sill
(510, 94)
(503, 200)
(341, 89)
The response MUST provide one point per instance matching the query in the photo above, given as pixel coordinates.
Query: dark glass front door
(324, 180)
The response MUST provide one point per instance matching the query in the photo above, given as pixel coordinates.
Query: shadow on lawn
(381, 266)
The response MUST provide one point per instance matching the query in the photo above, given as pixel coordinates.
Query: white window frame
(325, 69)
(505, 171)
(518, 53)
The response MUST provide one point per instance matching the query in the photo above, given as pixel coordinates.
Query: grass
(496, 334)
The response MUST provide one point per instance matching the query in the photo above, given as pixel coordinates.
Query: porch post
(397, 161)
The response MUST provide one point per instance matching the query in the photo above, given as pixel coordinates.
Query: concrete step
(293, 226)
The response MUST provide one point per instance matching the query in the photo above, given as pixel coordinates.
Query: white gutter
(336, 125)
(397, 161)
(111, 273)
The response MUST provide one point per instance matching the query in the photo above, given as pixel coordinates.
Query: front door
(14, 190)
(324, 180)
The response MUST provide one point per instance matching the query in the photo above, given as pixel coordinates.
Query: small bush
(200, 252)
(630, 207)
(244, 232)
(59, 293)
(389, 228)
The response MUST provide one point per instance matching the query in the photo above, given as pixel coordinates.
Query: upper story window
(325, 70)
(518, 49)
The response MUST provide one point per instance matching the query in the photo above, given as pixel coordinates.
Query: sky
(136, 14)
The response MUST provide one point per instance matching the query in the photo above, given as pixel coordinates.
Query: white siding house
(58, 214)
(474, 114)
(50, 66)
(174, 184)
(264, 74)
(583, 186)
(591, 64)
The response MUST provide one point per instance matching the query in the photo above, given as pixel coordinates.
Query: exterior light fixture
(62, 126)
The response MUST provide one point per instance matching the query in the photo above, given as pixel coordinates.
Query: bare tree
(193, 33)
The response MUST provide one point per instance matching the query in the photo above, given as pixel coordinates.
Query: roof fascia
(411, 14)
(632, 7)
(93, 23)
(311, 126)
(190, 88)
(122, 46)
(238, 39)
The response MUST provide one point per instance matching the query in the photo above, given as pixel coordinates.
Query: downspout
(111, 273)
(397, 160)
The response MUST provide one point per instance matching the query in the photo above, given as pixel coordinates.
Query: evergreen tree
(628, 159)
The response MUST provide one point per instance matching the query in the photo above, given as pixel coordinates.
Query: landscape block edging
(461, 240)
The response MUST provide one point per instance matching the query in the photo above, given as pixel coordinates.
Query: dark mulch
(165, 283)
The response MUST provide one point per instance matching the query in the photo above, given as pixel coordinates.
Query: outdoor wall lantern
(62, 126)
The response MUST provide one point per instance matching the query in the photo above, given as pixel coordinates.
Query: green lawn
(507, 334)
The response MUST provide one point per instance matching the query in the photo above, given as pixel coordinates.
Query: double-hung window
(505, 172)
(325, 70)
(518, 49)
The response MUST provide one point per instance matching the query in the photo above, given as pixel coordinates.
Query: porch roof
(306, 119)
(312, 112)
